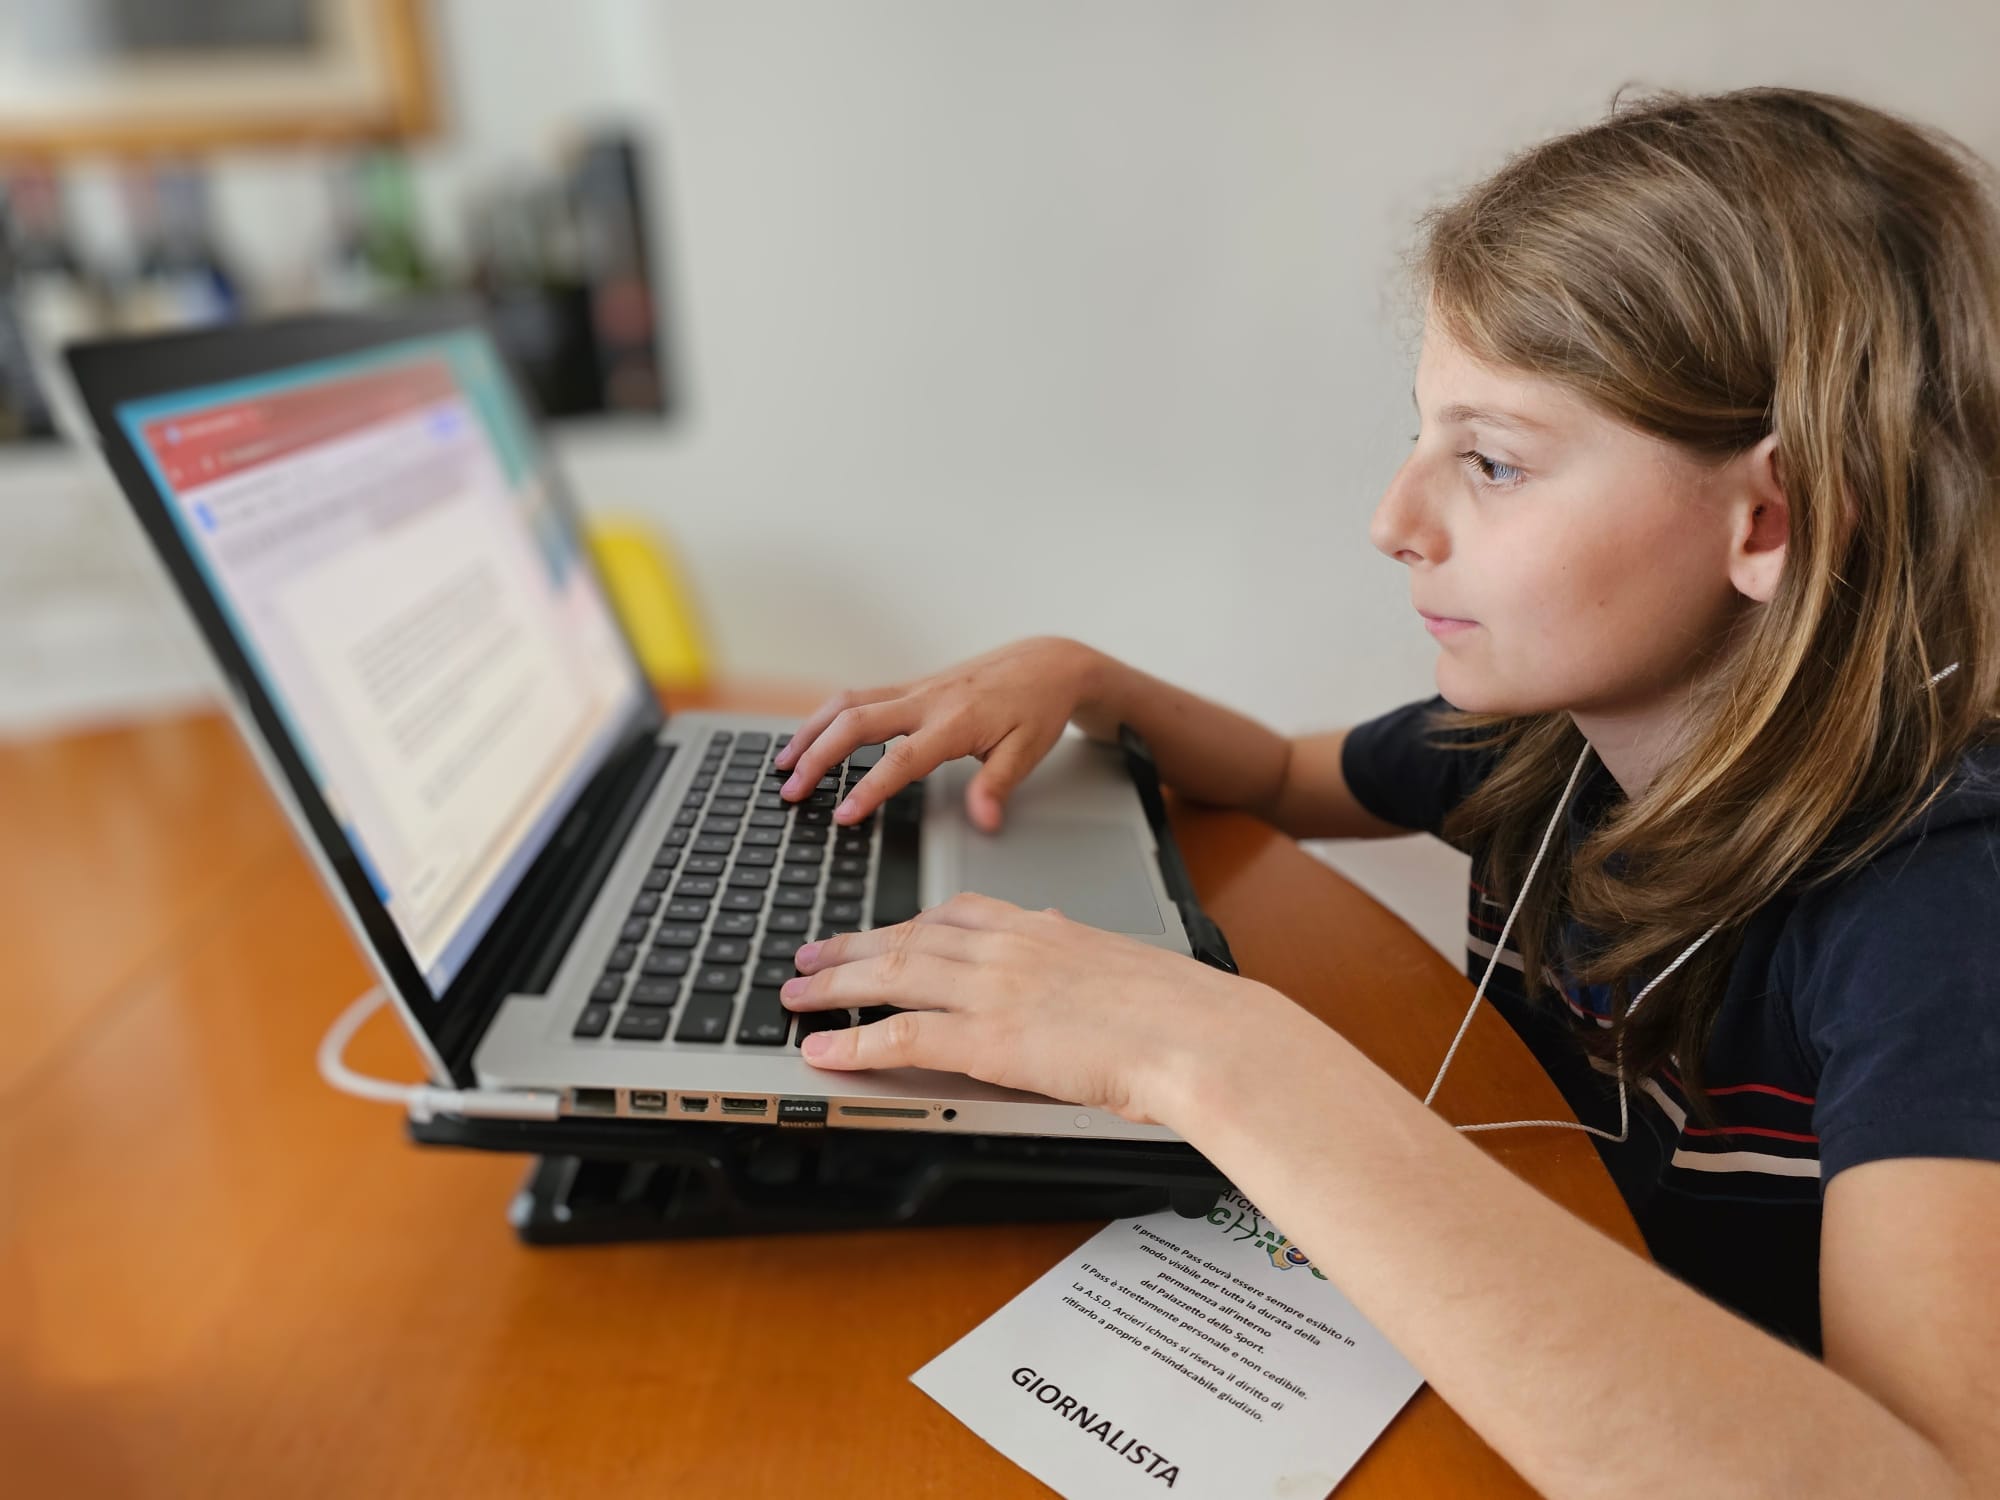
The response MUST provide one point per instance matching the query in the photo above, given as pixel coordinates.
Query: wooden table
(219, 1278)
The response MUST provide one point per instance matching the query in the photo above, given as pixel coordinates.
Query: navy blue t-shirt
(1861, 1021)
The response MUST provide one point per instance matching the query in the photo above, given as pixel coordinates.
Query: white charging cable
(422, 1100)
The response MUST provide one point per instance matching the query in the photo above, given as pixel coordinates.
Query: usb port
(649, 1099)
(744, 1106)
(594, 1101)
(693, 1104)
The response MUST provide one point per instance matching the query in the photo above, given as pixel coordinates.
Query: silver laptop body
(361, 518)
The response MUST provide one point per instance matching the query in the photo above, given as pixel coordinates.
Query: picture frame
(150, 77)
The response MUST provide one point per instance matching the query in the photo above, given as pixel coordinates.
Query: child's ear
(1760, 521)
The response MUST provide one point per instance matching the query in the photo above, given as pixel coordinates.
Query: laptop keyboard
(741, 880)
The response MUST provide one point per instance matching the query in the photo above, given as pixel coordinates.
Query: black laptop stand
(598, 1182)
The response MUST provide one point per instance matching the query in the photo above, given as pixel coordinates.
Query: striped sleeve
(1898, 996)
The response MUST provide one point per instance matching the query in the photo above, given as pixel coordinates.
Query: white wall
(1085, 315)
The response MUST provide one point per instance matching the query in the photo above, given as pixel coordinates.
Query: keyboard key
(781, 947)
(706, 864)
(720, 828)
(749, 880)
(728, 807)
(701, 783)
(720, 740)
(783, 740)
(763, 818)
(642, 1025)
(769, 802)
(792, 897)
(726, 951)
(756, 859)
(715, 843)
(740, 924)
(665, 963)
(773, 972)
(724, 979)
(807, 834)
(855, 865)
(754, 739)
(761, 838)
(805, 875)
(608, 989)
(845, 889)
(677, 937)
(676, 837)
(667, 858)
(695, 886)
(656, 992)
(645, 904)
(593, 1020)
(706, 1019)
(788, 922)
(804, 854)
(740, 776)
(689, 815)
(819, 1020)
(843, 911)
(656, 880)
(622, 958)
(634, 931)
(766, 1022)
(743, 901)
(687, 909)
(863, 757)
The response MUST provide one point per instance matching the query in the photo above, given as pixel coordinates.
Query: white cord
(422, 1100)
(1624, 1097)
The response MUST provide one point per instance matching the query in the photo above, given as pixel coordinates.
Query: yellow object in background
(652, 600)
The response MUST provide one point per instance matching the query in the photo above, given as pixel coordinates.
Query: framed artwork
(146, 76)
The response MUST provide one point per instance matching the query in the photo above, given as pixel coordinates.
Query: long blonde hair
(1710, 270)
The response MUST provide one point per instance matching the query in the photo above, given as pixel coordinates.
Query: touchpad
(1094, 873)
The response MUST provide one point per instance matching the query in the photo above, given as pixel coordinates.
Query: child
(1705, 519)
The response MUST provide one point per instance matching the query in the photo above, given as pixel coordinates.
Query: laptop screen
(379, 533)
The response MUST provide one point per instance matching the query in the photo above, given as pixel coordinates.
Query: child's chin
(1470, 692)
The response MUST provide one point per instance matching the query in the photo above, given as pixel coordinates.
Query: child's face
(1593, 562)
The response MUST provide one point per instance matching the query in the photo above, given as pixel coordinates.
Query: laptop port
(693, 1104)
(651, 1100)
(594, 1101)
(744, 1106)
(881, 1112)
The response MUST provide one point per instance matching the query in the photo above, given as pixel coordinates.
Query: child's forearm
(1204, 751)
(1590, 1371)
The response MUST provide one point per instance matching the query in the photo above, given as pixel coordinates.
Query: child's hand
(1028, 1000)
(1006, 707)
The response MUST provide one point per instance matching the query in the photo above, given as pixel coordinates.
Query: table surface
(218, 1277)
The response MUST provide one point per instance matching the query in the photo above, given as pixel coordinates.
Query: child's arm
(1010, 705)
(1213, 754)
(1592, 1372)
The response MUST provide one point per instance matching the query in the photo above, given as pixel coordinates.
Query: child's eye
(1490, 470)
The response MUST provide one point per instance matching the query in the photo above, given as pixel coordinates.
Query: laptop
(564, 887)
